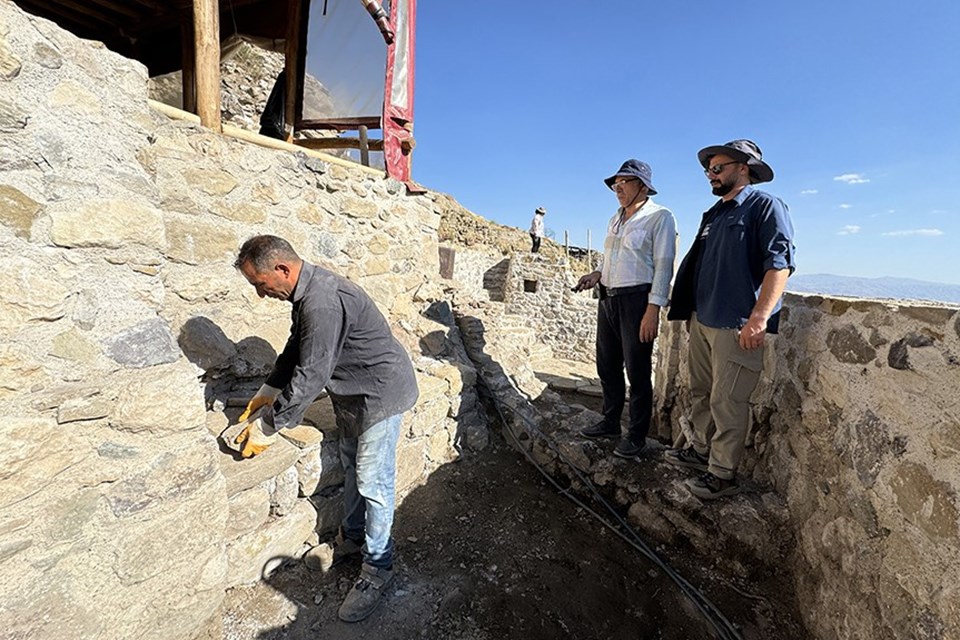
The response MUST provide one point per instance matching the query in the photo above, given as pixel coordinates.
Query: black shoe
(687, 458)
(709, 486)
(627, 448)
(600, 430)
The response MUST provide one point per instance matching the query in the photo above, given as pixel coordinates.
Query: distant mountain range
(898, 288)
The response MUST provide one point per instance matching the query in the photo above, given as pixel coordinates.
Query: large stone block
(246, 473)
(255, 555)
(159, 400)
(248, 510)
(410, 464)
(928, 503)
(35, 450)
(319, 467)
(146, 344)
(30, 293)
(17, 210)
(196, 241)
(110, 224)
(213, 182)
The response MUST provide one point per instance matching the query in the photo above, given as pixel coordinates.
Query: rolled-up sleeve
(776, 237)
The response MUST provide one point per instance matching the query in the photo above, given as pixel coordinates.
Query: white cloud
(846, 206)
(849, 230)
(809, 192)
(851, 178)
(915, 232)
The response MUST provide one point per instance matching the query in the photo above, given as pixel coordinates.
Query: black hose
(725, 629)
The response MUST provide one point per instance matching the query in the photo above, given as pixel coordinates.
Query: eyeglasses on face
(619, 184)
(717, 169)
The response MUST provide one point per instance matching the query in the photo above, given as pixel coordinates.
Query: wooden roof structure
(167, 35)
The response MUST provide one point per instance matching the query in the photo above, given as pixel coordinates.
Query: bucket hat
(743, 150)
(634, 169)
(540, 210)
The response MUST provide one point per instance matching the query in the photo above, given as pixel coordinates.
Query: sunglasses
(717, 169)
(621, 183)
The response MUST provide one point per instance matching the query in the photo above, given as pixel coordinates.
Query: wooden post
(589, 252)
(188, 65)
(206, 35)
(292, 52)
(364, 148)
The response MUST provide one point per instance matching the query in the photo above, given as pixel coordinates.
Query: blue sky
(856, 105)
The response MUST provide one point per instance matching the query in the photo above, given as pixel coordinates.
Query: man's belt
(609, 292)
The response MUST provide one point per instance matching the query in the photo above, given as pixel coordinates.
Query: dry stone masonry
(128, 343)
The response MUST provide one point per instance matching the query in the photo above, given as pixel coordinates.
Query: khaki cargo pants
(722, 378)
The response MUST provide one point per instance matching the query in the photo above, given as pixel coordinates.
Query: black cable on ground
(725, 629)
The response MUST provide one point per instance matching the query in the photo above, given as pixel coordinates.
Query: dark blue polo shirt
(740, 241)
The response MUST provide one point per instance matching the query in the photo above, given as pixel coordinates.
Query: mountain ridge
(880, 287)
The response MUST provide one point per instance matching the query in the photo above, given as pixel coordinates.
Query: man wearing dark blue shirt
(729, 289)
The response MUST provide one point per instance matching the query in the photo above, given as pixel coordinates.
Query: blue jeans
(370, 467)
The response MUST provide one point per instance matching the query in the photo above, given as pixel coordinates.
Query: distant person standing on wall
(536, 229)
(634, 279)
(729, 289)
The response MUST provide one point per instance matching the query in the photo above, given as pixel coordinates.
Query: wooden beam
(291, 56)
(340, 124)
(264, 141)
(364, 146)
(206, 35)
(124, 8)
(337, 143)
(188, 65)
(85, 10)
(302, 59)
(63, 17)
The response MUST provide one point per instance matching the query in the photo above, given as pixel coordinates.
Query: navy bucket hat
(634, 169)
(745, 151)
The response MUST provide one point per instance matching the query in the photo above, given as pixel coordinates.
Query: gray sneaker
(344, 548)
(688, 458)
(365, 594)
(709, 486)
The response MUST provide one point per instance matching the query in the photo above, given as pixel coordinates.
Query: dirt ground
(488, 550)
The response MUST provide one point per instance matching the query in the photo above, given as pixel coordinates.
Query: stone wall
(851, 478)
(127, 341)
(857, 427)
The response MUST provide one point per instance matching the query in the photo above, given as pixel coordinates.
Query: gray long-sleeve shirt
(341, 341)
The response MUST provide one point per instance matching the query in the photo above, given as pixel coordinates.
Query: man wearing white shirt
(536, 229)
(634, 280)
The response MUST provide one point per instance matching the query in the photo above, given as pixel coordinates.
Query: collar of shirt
(299, 289)
(648, 207)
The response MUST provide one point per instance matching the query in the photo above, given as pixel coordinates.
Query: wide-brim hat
(634, 169)
(540, 210)
(745, 151)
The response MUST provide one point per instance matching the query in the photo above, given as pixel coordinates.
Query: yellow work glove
(266, 395)
(257, 436)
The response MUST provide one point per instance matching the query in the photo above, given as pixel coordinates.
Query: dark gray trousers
(619, 346)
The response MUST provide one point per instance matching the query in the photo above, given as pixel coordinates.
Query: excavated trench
(488, 548)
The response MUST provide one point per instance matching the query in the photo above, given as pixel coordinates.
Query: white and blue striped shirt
(641, 250)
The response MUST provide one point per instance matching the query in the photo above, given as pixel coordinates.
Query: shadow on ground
(486, 550)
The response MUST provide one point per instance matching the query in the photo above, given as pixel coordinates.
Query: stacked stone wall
(857, 427)
(128, 342)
